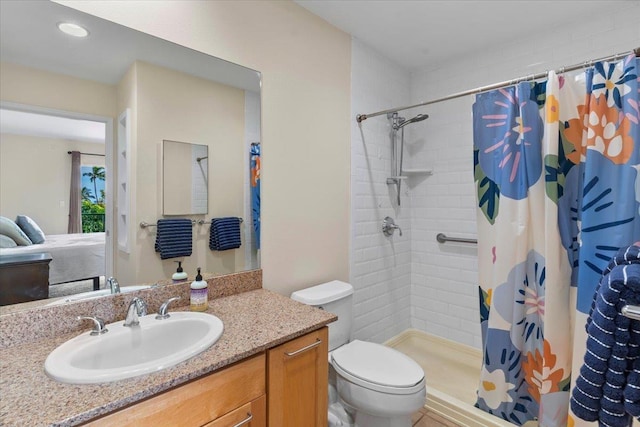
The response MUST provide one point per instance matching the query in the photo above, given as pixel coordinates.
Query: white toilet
(377, 386)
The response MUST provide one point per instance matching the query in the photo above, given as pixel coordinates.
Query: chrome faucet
(113, 285)
(137, 308)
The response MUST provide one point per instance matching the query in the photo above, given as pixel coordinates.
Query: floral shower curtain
(254, 165)
(557, 170)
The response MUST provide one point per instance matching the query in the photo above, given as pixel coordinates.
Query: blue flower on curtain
(610, 79)
(508, 132)
(503, 390)
(611, 216)
(609, 219)
(520, 301)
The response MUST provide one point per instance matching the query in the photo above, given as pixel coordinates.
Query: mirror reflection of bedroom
(138, 91)
(53, 202)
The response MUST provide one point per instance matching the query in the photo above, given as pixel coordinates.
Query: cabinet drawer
(253, 414)
(198, 402)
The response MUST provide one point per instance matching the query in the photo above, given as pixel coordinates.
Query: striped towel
(174, 238)
(224, 234)
(608, 388)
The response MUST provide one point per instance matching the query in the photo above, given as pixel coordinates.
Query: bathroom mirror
(181, 95)
(185, 171)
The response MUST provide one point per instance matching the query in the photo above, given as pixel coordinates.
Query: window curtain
(556, 167)
(75, 208)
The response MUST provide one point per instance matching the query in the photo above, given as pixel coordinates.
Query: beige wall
(51, 90)
(34, 178)
(305, 66)
(178, 107)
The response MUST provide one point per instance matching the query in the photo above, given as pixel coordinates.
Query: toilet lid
(378, 367)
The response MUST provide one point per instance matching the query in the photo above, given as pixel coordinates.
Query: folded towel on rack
(607, 389)
(174, 237)
(224, 234)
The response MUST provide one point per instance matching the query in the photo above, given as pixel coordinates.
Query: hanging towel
(174, 237)
(607, 389)
(224, 234)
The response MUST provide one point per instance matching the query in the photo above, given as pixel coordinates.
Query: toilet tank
(335, 297)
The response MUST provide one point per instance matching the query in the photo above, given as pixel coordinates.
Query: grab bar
(442, 238)
(631, 311)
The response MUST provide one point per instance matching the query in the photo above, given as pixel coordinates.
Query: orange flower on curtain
(608, 131)
(541, 374)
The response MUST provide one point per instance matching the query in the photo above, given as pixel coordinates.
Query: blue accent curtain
(255, 190)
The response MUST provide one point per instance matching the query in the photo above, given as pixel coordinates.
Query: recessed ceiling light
(74, 30)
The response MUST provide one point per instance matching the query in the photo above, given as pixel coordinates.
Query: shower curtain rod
(362, 117)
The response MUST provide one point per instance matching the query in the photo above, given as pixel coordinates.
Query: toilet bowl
(370, 385)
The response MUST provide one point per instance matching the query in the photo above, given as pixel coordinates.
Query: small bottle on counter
(180, 275)
(199, 294)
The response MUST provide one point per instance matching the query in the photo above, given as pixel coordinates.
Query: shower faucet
(389, 226)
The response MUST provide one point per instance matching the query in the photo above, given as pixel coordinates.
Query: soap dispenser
(199, 294)
(179, 275)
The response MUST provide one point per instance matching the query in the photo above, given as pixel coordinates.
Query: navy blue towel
(608, 388)
(174, 237)
(224, 234)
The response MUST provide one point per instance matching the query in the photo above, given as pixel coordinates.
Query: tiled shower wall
(444, 277)
(380, 265)
(412, 281)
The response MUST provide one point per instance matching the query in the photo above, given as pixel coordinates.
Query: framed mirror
(143, 90)
(185, 173)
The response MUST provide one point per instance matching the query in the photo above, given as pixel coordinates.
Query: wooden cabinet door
(297, 384)
(253, 414)
(198, 402)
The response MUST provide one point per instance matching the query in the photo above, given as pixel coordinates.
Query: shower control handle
(389, 226)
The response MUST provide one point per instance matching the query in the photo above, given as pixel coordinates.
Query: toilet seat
(378, 368)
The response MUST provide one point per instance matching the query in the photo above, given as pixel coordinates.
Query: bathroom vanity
(291, 379)
(270, 365)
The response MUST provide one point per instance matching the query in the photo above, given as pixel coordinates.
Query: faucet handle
(98, 327)
(162, 312)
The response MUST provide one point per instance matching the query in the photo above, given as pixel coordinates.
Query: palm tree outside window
(93, 202)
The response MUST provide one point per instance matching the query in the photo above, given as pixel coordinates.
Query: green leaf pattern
(488, 191)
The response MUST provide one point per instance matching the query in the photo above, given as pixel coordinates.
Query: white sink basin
(126, 352)
(96, 294)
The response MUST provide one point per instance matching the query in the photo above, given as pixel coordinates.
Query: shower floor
(452, 371)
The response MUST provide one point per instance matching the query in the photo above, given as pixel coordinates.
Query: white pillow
(11, 229)
(7, 242)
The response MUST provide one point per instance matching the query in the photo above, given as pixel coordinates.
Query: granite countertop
(254, 321)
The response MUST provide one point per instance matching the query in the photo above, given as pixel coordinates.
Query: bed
(74, 256)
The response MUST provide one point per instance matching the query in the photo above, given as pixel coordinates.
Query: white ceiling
(54, 127)
(417, 33)
(29, 36)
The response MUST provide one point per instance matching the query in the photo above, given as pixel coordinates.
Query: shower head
(418, 118)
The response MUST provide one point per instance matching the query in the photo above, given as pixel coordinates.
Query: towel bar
(202, 221)
(144, 224)
(631, 311)
(442, 238)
